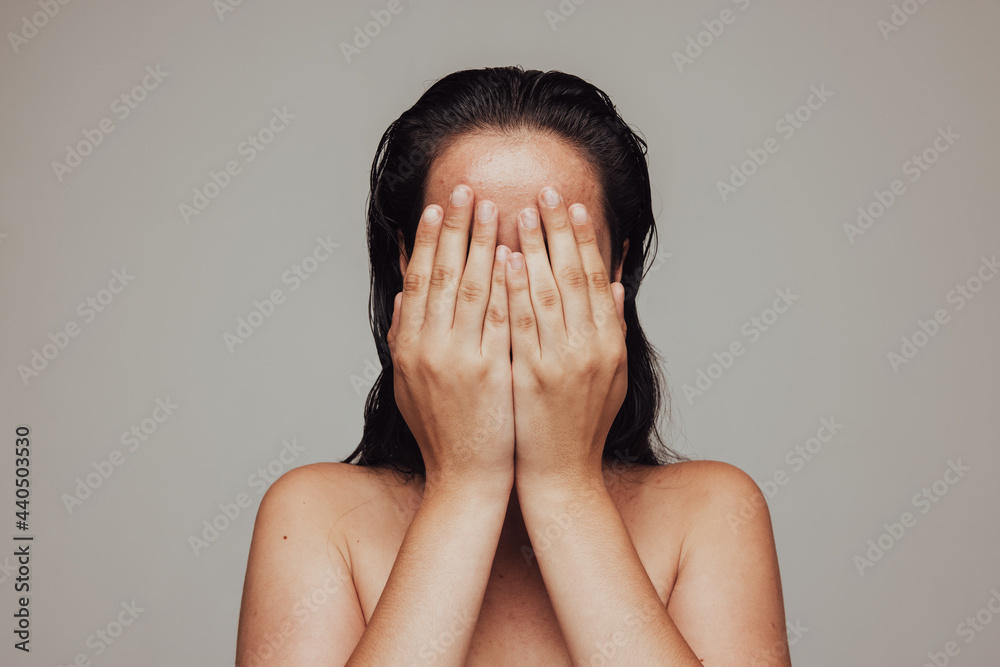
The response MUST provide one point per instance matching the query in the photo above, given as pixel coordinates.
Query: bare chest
(517, 624)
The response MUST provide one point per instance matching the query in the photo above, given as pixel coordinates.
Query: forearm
(433, 595)
(604, 601)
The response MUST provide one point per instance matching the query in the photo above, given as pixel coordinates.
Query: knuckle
(588, 365)
(499, 278)
(524, 321)
(496, 313)
(424, 362)
(547, 297)
(598, 280)
(481, 241)
(552, 374)
(437, 306)
(483, 373)
(573, 277)
(470, 291)
(615, 355)
(542, 376)
(400, 363)
(586, 234)
(425, 236)
(455, 221)
(591, 367)
(414, 283)
(403, 340)
(441, 275)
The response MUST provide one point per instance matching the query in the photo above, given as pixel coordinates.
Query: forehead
(510, 170)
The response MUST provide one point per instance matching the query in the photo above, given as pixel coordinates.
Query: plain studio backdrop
(822, 178)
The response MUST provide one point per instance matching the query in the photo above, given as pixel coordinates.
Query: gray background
(301, 375)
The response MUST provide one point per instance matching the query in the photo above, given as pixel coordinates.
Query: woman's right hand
(450, 346)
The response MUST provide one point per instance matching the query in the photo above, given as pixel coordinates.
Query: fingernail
(431, 214)
(516, 261)
(550, 196)
(529, 218)
(502, 252)
(578, 213)
(459, 195)
(484, 211)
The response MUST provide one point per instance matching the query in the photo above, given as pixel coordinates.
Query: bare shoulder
(322, 478)
(727, 599)
(324, 475)
(333, 480)
(327, 495)
(705, 485)
(704, 470)
(299, 591)
(698, 505)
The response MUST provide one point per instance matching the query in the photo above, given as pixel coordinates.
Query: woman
(511, 501)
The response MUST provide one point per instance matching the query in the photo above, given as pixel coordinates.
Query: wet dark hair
(508, 101)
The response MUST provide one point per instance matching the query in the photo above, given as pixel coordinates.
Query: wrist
(559, 483)
(486, 487)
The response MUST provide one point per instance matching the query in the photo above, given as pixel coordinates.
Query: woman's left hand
(570, 370)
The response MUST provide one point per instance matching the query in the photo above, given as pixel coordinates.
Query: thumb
(390, 337)
(618, 291)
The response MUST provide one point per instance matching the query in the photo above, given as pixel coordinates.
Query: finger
(523, 329)
(496, 327)
(449, 261)
(618, 290)
(543, 290)
(416, 282)
(565, 261)
(474, 288)
(602, 301)
(390, 337)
